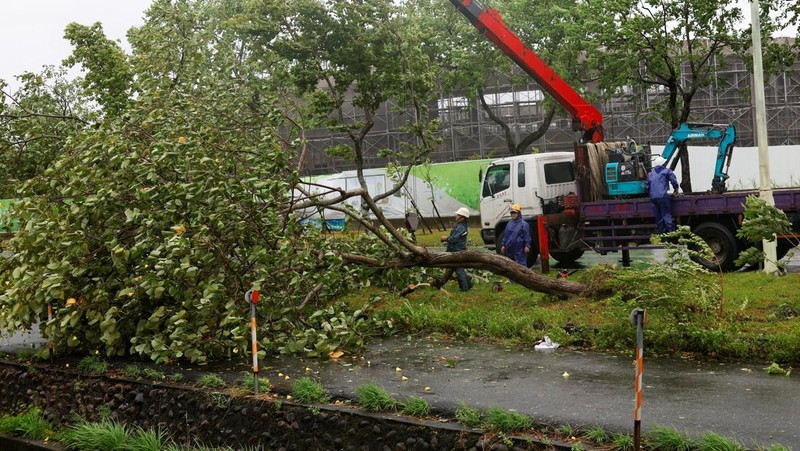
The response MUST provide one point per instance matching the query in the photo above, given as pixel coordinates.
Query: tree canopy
(161, 186)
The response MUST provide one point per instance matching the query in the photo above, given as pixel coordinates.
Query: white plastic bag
(546, 344)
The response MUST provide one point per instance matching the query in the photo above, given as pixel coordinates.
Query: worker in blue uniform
(658, 181)
(517, 237)
(457, 241)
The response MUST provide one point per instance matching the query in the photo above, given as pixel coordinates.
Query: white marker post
(252, 298)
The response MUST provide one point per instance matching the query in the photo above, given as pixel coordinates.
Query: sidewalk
(734, 400)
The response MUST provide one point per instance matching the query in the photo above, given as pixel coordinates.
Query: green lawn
(757, 319)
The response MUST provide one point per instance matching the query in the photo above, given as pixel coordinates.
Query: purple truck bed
(786, 199)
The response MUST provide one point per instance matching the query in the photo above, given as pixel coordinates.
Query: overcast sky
(32, 31)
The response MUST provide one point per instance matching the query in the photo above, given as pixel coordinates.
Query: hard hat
(659, 161)
(517, 208)
(463, 211)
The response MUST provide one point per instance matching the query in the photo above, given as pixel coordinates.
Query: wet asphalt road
(735, 400)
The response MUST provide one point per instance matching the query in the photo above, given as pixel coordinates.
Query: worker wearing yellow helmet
(516, 243)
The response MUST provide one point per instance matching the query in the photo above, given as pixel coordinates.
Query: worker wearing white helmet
(658, 181)
(517, 237)
(457, 241)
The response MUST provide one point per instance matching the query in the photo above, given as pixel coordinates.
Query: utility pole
(765, 190)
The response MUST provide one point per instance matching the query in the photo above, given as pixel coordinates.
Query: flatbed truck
(569, 191)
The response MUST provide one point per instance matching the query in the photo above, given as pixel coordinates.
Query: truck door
(496, 196)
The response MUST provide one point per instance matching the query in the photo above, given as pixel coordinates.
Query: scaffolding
(467, 132)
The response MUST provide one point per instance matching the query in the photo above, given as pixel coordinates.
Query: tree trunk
(492, 262)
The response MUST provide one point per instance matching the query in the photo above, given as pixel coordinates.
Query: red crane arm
(585, 116)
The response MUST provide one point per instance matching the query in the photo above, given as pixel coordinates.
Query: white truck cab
(529, 180)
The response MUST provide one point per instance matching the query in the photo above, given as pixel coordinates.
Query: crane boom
(585, 116)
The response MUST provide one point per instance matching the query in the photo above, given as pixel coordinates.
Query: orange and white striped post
(252, 298)
(637, 320)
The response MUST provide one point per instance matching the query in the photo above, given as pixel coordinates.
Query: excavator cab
(626, 170)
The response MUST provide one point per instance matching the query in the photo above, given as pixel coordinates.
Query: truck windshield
(498, 178)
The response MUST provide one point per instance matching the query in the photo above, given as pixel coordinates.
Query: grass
(416, 407)
(249, 382)
(668, 438)
(597, 435)
(153, 375)
(147, 440)
(712, 441)
(621, 442)
(749, 323)
(375, 398)
(468, 416)
(210, 380)
(92, 365)
(506, 421)
(109, 435)
(307, 391)
(567, 429)
(28, 424)
(100, 436)
(133, 370)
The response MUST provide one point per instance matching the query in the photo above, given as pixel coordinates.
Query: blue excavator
(626, 170)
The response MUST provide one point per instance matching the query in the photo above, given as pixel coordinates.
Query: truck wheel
(722, 243)
(569, 256)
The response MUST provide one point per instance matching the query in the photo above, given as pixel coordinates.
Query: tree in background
(36, 121)
(469, 62)
(108, 74)
(669, 48)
